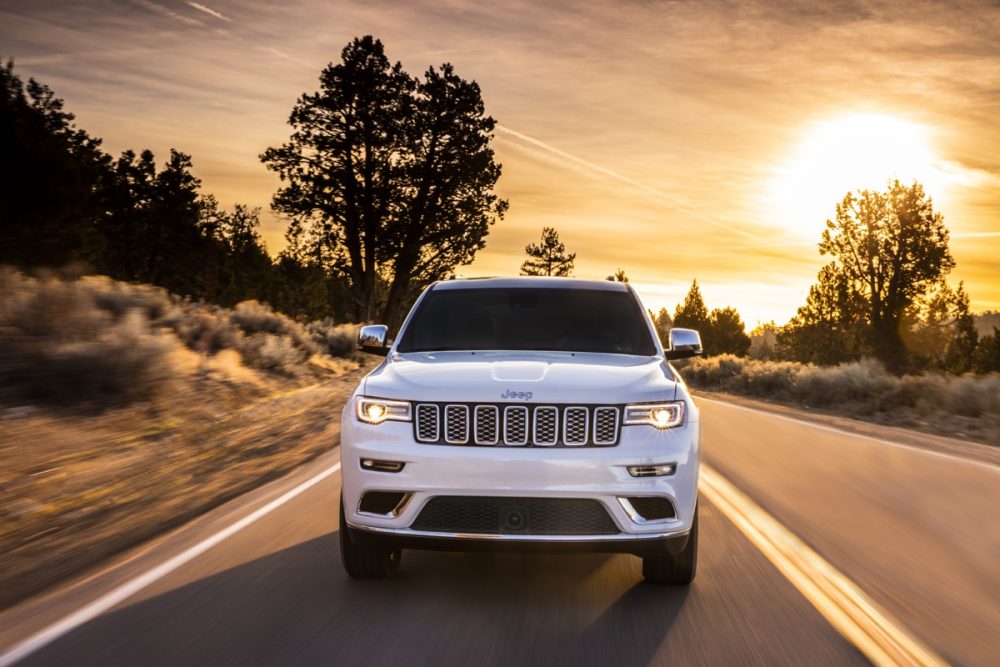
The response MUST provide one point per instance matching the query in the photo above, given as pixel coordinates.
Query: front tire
(674, 569)
(364, 561)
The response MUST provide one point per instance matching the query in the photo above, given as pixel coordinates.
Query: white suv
(523, 413)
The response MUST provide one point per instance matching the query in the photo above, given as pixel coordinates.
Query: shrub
(271, 352)
(204, 329)
(60, 347)
(119, 298)
(860, 381)
(337, 340)
(860, 387)
(253, 317)
(770, 379)
(97, 341)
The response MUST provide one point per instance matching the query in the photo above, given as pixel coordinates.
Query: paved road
(274, 592)
(918, 531)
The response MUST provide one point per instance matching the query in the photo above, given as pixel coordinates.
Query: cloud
(210, 12)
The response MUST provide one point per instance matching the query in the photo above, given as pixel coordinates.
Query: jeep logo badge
(522, 395)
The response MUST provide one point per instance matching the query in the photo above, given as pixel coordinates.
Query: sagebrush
(98, 341)
(861, 388)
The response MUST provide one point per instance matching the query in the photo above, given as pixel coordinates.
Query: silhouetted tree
(939, 332)
(548, 258)
(830, 327)
(50, 173)
(726, 334)
(692, 314)
(764, 341)
(987, 356)
(388, 177)
(620, 276)
(888, 248)
(245, 268)
(663, 323)
(152, 230)
(960, 353)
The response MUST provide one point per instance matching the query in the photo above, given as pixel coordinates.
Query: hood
(522, 377)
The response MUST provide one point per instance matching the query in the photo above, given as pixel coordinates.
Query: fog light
(653, 470)
(382, 466)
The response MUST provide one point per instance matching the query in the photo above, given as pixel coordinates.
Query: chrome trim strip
(586, 426)
(638, 518)
(534, 426)
(447, 419)
(620, 537)
(496, 425)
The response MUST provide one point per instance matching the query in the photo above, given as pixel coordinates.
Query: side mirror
(372, 339)
(684, 343)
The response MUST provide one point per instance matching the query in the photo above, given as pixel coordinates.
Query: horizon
(716, 156)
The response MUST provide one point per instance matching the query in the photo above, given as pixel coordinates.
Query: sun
(843, 154)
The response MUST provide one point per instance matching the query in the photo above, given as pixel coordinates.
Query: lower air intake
(652, 508)
(382, 502)
(487, 515)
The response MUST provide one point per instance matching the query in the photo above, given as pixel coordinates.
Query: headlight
(660, 415)
(378, 410)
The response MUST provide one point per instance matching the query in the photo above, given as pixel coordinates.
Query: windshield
(569, 320)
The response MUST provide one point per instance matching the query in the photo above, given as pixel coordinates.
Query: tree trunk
(887, 344)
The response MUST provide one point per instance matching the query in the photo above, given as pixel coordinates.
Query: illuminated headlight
(378, 410)
(660, 415)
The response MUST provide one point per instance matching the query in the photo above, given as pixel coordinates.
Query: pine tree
(549, 257)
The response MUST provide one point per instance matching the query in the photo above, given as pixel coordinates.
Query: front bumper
(598, 473)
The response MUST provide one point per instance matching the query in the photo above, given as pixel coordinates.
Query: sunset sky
(675, 140)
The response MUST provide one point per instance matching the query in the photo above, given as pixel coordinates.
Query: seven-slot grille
(517, 425)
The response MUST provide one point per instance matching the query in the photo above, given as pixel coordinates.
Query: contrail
(281, 54)
(656, 193)
(974, 235)
(210, 12)
(169, 13)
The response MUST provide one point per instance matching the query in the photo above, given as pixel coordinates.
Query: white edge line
(124, 591)
(845, 606)
(833, 429)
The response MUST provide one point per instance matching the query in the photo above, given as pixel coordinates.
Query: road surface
(917, 532)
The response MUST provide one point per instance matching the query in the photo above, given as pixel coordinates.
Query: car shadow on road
(296, 606)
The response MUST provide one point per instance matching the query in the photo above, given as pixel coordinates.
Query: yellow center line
(846, 607)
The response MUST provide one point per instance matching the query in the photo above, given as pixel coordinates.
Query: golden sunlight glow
(375, 412)
(847, 153)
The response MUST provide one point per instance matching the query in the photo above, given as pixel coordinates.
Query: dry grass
(964, 406)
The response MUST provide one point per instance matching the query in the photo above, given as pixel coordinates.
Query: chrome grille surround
(456, 424)
(485, 425)
(575, 423)
(426, 423)
(605, 430)
(545, 425)
(517, 425)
